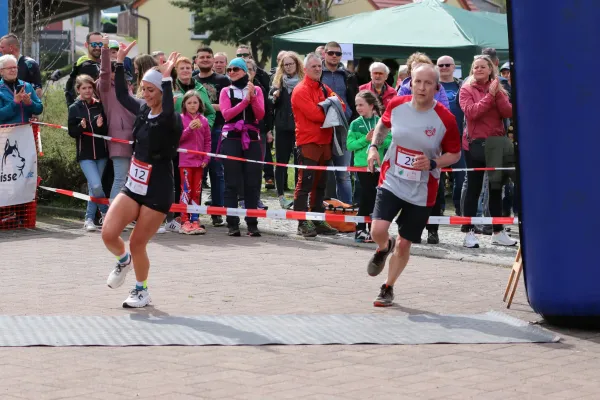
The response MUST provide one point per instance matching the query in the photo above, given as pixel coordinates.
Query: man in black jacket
(28, 68)
(88, 64)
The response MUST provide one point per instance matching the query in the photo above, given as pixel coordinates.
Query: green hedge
(58, 167)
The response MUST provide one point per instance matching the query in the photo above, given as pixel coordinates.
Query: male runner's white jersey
(431, 133)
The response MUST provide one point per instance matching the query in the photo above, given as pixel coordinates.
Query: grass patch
(58, 167)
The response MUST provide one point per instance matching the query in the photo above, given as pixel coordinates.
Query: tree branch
(270, 22)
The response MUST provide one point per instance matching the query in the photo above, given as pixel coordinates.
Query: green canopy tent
(429, 26)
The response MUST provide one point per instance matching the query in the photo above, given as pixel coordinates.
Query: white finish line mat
(141, 329)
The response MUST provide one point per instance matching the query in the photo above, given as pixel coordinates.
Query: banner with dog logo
(18, 166)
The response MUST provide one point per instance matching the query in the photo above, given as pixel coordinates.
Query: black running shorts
(412, 218)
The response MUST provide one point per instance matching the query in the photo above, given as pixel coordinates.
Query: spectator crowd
(312, 110)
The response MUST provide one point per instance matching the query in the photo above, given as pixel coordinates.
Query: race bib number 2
(405, 160)
(139, 176)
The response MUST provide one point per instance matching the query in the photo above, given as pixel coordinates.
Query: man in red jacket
(313, 143)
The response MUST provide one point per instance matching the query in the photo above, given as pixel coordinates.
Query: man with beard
(88, 64)
(213, 83)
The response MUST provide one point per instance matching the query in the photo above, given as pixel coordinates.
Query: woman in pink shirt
(242, 106)
(485, 104)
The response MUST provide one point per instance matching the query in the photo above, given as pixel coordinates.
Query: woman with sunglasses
(242, 106)
(148, 193)
(289, 73)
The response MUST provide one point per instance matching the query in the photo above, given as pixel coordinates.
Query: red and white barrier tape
(295, 215)
(312, 167)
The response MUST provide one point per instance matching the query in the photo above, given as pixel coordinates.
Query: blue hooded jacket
(18, 113)
(439, 96)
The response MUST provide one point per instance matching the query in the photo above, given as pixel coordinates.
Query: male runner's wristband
(373, 145)
(432, 165)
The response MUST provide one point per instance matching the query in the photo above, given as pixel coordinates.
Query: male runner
(424, 138)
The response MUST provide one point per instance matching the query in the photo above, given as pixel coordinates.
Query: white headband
(154, 77)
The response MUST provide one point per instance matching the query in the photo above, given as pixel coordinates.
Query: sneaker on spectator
(269, 184)
(163, 229)
(253, 231)
(217, 221)
(471, 240)
(323, 228)
(186, 228)
(433, 238)
(234, 230)
(502, 239)
(198, 229)
(262, 205)
(306, 229)
(285, 203)
(174, 225)
(361, 236)
(89, 225)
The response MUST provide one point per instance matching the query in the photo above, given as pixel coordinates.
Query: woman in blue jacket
(18, 101)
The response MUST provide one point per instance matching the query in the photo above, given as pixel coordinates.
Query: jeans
(93, 169)
(121, 168)
(215, 170)
(342, 183)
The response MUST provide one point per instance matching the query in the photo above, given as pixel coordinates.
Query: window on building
(196, 34)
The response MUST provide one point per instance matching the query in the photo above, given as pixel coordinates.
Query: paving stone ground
(60, 270)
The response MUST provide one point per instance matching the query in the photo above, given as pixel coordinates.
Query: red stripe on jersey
(432, 189)
(384, 168)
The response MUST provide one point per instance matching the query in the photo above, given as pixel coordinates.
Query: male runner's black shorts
(412, 218)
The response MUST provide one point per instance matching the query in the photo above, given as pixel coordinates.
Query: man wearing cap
(505, 78)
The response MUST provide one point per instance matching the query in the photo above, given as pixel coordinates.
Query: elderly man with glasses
(379, 74)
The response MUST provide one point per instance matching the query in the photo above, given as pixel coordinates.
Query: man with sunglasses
(345, 85)
(88, 64)
(262, 76)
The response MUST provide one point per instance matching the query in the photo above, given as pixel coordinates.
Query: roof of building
(379, 4)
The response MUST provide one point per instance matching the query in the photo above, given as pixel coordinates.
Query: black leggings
(368, 193)
(474, 185)
(285, 142)
(241, 174)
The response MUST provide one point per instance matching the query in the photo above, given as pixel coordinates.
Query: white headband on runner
(154, 77)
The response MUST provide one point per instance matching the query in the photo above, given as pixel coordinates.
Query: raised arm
(128, 101)
(104, 80)
(503, 104)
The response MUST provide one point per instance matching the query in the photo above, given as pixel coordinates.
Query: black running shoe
(433, 238)
(377, 262)
(386, 296)
(306, 229)
(218, 221)
(253, 231)
(234, 230)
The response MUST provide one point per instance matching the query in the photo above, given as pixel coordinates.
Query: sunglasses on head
(334, 53)
(445, 65)
(243, 55)
(96, 44)
(233, 69)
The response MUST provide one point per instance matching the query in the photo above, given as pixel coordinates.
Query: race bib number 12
(405, 159)
(139, 177)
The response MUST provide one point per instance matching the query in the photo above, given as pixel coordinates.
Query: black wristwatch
(373, 145)
(432, 165)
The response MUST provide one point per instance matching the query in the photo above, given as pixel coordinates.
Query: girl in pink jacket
(195, 136)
